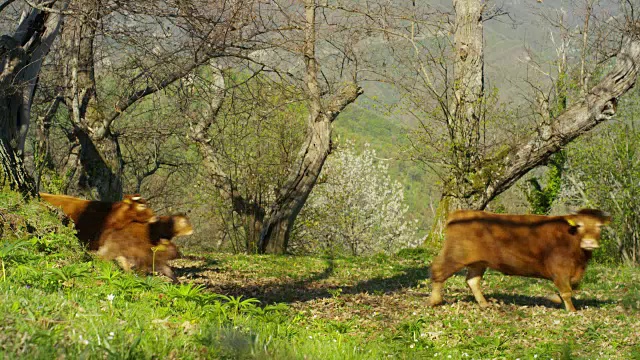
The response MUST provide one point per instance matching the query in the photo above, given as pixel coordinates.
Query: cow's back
(87, 215)
(512, 244)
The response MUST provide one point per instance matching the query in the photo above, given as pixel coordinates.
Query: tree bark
(13, 173)
(315, 149)
(465, 117)
(21, 57)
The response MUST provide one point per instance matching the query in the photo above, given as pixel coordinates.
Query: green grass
(59, 302)
(378, 304)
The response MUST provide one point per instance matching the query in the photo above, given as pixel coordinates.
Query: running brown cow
(146, 247)
(549, 247)
(92, 218)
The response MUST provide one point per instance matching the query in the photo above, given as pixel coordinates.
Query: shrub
(355, 209)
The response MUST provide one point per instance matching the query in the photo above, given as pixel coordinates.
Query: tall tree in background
(465, 116)
(291, 43)
(315, 148)
(22, 54)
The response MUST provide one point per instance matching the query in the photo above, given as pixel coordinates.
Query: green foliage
(7, 248)
(604, 171)
(541, 197)
(416, 253)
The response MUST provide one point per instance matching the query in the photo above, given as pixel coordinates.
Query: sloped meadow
(57, 301)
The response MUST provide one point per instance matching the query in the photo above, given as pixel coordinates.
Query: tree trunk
(95, 178)
(21, 56)
(464, 120)
(315, 149)
(13, 173)
(96, 168)
(254, 222)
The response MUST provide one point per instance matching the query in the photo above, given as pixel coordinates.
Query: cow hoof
(555, 298)
(434, 302)
(484, 305)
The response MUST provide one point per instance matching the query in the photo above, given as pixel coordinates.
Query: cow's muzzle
(589, 244)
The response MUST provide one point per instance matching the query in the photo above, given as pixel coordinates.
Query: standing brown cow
(549, 247)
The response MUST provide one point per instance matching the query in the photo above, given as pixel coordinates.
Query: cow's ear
(571, 223)
(127, 201)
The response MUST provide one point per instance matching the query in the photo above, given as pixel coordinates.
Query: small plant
(127, 284)
(6, 249)
(70, 272)
(335, 292)
(189, 292)
(108, 272)
(341, 327)
(236, 304)
(151, 282)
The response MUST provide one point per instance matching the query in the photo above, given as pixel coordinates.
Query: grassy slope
(377, 305)
(57, 301)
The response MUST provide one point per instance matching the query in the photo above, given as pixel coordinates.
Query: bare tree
(290, 41)
(140, 49)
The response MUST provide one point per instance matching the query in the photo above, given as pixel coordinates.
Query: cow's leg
(441, 270)
(166, 270)
(564, 286)
(474, 277)
(555, 298)
(124, 263)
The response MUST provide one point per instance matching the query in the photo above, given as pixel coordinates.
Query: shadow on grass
(530, 301)
(195, 272)
(309, 288)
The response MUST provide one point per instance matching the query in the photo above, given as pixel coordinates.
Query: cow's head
(135, 208)
(181, 225)
(588, 225)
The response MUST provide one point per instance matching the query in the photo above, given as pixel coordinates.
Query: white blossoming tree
(355, 209)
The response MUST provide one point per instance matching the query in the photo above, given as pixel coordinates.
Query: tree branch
(599, 105)
(45, 8)
(5, 4)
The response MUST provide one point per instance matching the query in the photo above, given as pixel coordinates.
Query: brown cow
(135, 245)
(549, 247)
(92, 218)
